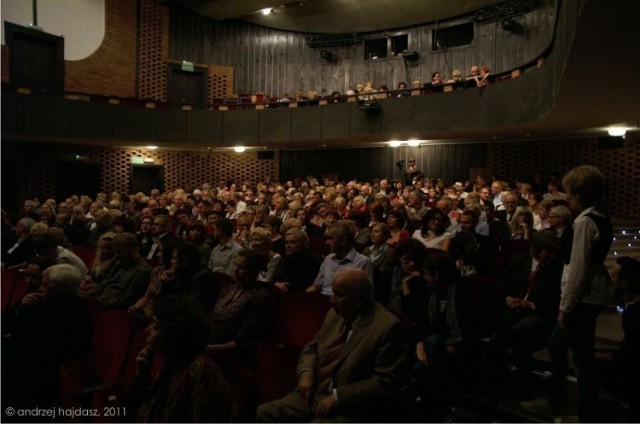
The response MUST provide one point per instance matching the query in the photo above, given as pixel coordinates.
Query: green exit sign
(187, 66)
(137, 160)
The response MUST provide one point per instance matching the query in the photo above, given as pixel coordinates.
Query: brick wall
(181, 168)
(110, 71)
(153, 51)
(621, 167)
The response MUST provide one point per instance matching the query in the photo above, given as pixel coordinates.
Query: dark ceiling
(334, 16)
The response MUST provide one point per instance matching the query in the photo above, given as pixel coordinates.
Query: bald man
(354, 367)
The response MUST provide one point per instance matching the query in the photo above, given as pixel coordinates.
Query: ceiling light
(239, 149)
(413, 143)
(266, 11)
(617, 131)
(151, 147)
(395, 143)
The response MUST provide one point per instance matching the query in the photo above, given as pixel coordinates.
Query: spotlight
(394, 143)
(413, 143)
(617, 131)
(239, 149)
(266, 11)
(151, 147)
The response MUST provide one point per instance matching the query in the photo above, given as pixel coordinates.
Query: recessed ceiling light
(151, 147)
(266, 11)
(617, 131)
(395, 143)
(413, 143)
(239, 149)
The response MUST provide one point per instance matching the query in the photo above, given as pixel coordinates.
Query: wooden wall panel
(278, 62)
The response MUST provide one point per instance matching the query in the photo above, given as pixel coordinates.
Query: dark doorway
(187, 88)
(36, 59)
(77, 177)
(144, 178)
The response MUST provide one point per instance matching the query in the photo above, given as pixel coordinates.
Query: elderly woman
(433, 232)
(189, 386)
(260, 241)
(300, 266)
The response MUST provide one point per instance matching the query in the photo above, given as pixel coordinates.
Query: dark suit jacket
(371, 368)
(546, 291)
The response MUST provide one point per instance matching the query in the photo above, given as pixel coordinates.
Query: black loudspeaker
(266, 155)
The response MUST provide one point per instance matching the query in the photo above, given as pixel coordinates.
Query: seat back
(318, 246)
(86, 253)
(488, 303)
(7, 281)
(112, 336)
(300, 316)
(510, 248)
(242, 384)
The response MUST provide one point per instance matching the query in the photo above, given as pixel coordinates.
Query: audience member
(243, 313)
(560, 222)
(47, 328)
(433, 233)
(406, 291)
(223, 254)
(354, 368)
(532, 280)
(299, 267)
(260, 241)
(23, 249)
(189, 387)
(190, 277)
(160, 274)
(46, 246)
(447, 338)
(126, 281)
(161, 234)
(340, 239)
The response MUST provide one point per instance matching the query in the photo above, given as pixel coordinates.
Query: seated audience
(407, 285)
(532, 280)
(522, 224)
(160, 274)
(433, 232)
(299, 267)
(447, 338)
(145, 236)
(560, 221)
(223, 254)
(382, 259)
(23, 248)
(48, 327)
(189, 387)
(197, 235)
(260, 241)
(190, 276)
(396, 221)
(273, 223)
(354, 368)
(126, 281)
(340, 239)
(243, 313)
(46, 246)
(161, 234)
(105, 257)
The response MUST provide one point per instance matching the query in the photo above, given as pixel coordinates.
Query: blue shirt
(332, 266)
